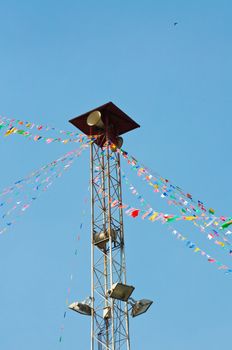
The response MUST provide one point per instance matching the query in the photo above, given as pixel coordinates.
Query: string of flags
(72, 275)
(36, 173)
(190, 209)
(188, 243)
(151, 214)
(196, 249)
(23, 128)
(14, 201)
(5, 122)
(164, 218)
(164, 186)
(176, 196)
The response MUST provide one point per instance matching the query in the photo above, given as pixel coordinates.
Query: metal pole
(92, 246)
(110, 239)
(123, 257)
(105, 251)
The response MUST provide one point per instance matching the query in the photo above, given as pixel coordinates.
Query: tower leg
(109, 320)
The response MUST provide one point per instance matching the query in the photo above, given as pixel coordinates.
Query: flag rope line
(40, 183)
(185, 205)
(167, 218)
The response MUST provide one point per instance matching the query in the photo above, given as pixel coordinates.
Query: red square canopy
(111, 115)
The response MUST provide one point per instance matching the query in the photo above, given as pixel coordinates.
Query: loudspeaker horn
(117, 144)
(94, 119)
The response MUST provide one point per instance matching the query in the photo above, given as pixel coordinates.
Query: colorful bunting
(164, 218)
(153, 215)
(196, 249)
(76, 242)
(34, 185)
(14, 126)
(163, 186)
(183, 201)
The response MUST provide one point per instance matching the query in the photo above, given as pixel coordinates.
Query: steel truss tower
(110, 323)
(110, 294)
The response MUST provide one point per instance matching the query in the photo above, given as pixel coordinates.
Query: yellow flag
(190, 218)
(154, 216)
(11, 131)
(196, 250)
(221, 244)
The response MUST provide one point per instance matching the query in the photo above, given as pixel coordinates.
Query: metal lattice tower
(110, 328)
(108, 304)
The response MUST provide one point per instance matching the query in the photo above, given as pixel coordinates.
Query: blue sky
(62, 58)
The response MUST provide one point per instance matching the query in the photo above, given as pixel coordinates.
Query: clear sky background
(59, 59)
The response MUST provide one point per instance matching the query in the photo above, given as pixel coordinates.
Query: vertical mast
(110, 318)
(110, 294)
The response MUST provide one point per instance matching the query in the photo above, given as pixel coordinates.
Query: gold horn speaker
(94, 119)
